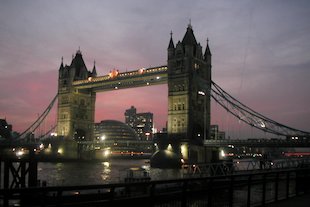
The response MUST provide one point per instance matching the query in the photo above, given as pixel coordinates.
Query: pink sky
(260, 54)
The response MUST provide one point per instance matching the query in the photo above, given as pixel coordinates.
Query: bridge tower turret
(189, 78)
(76, 108)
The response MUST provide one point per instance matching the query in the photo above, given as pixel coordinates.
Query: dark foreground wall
(234, 190)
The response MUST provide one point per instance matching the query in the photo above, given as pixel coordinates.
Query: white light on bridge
(262, 124)
(103, 138)
(157, 77)
(201, 93)
(169, 147)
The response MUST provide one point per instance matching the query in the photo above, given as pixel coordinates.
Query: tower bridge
(190, 88)
(188, 112)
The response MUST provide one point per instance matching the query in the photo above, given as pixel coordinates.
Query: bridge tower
(76, 108)
(189, 81)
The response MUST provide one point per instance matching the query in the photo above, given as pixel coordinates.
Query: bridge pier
(60, 148)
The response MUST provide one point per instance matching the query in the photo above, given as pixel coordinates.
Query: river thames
(96, 172)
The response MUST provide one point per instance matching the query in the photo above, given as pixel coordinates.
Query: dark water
(88, 173)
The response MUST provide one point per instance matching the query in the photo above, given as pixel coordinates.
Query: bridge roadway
(208, 143)
(257, 143)
(116, 80)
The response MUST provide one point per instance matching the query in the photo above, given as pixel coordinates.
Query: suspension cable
(39, 120)
(251, 117)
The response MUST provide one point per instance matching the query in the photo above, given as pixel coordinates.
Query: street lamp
(202, 93)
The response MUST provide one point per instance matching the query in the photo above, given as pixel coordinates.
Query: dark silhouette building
(5, 129)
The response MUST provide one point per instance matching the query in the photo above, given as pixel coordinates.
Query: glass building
(114, 130)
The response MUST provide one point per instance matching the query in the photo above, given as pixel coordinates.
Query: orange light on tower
(114, 73)
(141, 70)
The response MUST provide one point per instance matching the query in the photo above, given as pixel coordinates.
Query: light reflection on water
(88, 173)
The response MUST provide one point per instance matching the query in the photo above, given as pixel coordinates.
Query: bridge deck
(257, 143)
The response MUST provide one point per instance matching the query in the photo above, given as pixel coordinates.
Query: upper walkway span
(132, 79)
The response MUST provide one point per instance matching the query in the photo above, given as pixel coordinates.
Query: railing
(234, 190)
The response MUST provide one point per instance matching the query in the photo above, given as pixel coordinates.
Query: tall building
(130, 116)
(142, 123)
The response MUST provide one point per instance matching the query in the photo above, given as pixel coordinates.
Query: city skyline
(260, 53)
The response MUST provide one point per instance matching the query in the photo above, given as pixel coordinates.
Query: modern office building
(142, 123)
(130, 116)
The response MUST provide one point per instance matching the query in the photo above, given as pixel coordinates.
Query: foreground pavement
(298, 201)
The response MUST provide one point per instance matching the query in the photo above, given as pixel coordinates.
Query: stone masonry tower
(76, 108)
(189, 81)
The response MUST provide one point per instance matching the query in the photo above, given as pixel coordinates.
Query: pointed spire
(171, 44)
(62, 63)
(94, 72)
(189, 37)
(208, 51)
(77, 61)
(190, 23)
